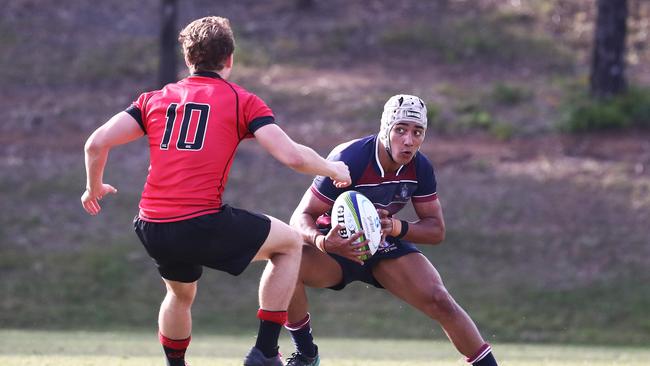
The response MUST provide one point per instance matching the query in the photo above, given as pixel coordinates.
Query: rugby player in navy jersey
(388, 169)
(193, 128)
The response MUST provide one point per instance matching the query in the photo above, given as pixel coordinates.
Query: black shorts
(353, 271)
(227, 241)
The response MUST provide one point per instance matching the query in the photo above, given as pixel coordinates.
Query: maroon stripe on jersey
(321, 196)
(427, 198)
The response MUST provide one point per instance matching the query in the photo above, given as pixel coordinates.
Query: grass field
(56, 348)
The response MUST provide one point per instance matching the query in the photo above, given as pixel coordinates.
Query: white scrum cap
(402, 108)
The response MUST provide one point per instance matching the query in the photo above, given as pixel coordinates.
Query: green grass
(115, 287)
(31, 348)
(519, 284)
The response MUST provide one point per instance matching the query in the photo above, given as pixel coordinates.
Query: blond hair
(207, 43)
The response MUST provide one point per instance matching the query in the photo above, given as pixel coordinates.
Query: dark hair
(207, 43)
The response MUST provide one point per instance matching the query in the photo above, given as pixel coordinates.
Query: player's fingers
(359, 246)
(95, 206)
(335, 230)
(382, 213)
(110, 189)
(86, 207)
(356, 236)
(90, 208)
(341, 184)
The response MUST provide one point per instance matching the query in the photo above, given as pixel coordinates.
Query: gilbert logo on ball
(355, 212)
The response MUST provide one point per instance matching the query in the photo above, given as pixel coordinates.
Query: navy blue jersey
(414, 181)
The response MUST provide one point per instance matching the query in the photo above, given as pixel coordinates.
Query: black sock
(483, 357)
(174, 350)
(174, 357)
(302, 338)
(488, 360)
(267, 338)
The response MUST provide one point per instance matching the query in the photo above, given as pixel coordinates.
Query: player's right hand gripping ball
(355, 212)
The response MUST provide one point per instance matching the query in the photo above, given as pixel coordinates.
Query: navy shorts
(352, 271)
(226, 241)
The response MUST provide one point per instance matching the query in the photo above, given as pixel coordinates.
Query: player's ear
(230, 60)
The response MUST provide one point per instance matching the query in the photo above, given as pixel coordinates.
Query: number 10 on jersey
(196, 142)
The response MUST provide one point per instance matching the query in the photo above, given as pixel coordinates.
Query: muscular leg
(317, 270)
(175, 317)
(413, 279)
(175, 320)
(282, 250)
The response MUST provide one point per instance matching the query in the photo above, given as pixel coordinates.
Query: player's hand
(341, 176)
(386, 223)
(90, 199)
(346, 248)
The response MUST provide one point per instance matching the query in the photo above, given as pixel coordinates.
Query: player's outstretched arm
(299, 157)
(120, 129)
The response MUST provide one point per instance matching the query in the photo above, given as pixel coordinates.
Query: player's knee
(440, 304)
(290, 245)
(182, 295)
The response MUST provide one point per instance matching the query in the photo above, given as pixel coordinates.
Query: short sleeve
(137, 108)
(427, 186)
(256, 114)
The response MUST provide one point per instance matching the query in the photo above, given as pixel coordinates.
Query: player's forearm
(424, 231)
(312, 163)
(96, 156)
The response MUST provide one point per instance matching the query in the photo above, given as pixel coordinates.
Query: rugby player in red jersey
(390, 171)
(193, 128)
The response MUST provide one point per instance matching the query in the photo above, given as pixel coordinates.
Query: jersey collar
(378, 163)
(207, 74)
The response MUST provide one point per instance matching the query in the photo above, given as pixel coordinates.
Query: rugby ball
(355, 212)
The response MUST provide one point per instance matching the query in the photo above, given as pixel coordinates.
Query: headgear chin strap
(401, 108)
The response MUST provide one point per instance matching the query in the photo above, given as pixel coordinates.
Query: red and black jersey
(193, 127)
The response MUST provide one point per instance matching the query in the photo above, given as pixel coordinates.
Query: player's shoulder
(422, 162)
(354, 148)
(145, 98)
(421, 158)
(241, 91)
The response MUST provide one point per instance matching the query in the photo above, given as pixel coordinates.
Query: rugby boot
(256, 358)
(298, 359)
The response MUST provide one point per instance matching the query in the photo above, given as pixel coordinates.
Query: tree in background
(608, 59)
(167, 68)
